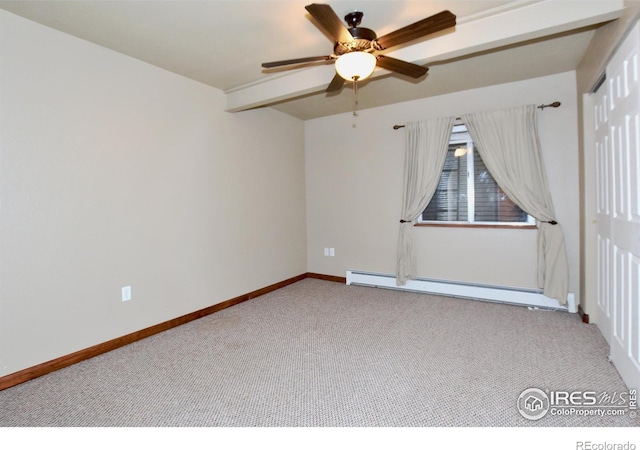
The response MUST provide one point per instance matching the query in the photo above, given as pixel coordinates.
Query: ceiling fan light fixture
(355, 65)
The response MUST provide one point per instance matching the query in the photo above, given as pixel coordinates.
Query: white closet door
(618, 187)
(604, 198)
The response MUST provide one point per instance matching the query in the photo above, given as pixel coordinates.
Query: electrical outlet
(126, 293)
(326, 251)
(332, 251)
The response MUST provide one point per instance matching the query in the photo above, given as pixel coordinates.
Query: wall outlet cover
(126, 293)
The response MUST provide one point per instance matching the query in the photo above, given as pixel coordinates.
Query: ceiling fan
(355, 49)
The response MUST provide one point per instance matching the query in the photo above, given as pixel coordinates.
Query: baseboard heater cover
(502, 294)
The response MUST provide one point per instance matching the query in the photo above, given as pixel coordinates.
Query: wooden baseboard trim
(320, 276)
(585, 317)
(30, 373)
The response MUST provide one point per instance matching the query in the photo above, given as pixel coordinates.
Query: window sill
(509, 226)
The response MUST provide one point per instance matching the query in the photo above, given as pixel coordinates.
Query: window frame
(459, 137)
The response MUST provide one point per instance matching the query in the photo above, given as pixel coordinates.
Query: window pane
(449, 203)
(453, 199)
(491, 203)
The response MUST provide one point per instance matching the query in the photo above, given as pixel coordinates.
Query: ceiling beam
(531, 21)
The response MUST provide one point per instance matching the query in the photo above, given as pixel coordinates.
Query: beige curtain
(426, 144)
(509, 146)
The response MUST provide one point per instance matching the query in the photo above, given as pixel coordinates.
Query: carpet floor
(323, 354)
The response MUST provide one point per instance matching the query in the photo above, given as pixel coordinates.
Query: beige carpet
(320, 354)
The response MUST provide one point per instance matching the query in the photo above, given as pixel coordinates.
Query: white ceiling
(223, 42)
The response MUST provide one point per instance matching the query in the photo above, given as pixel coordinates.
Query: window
(467, 193)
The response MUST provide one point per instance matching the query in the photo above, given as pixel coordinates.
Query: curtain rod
(550, 105)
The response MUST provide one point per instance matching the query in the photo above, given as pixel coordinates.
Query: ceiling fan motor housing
(363, 38)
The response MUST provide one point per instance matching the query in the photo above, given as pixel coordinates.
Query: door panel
(604, 198)
(622, 223)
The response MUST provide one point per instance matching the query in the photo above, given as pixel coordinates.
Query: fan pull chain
(355, 96)
(355, 101)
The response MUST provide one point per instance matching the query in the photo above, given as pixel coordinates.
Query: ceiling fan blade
(437, 22)
(287, 62)
(335, 84)
(329, 21)
(403, 67)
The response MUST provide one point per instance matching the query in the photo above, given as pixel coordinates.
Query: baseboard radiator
(526, 297)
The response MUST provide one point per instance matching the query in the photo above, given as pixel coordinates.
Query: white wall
(354, 189)
(114, 173)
